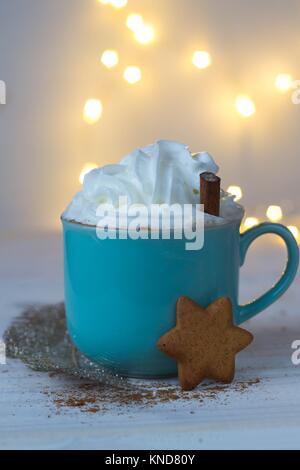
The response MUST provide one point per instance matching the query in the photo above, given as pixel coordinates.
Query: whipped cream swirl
(163, 173)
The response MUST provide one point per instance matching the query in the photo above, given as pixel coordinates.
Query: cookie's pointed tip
(223, 303)
(186, 302)
(182, 301)
(249, 337)
(162, 343)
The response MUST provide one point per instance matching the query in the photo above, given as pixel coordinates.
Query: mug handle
(253, 308)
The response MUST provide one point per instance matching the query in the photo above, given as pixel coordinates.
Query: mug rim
(206, 227)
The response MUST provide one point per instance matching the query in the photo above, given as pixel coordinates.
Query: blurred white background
(50, 60)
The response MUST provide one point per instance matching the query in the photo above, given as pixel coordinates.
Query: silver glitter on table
(40, 339)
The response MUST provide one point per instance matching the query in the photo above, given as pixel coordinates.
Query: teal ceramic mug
(121, 295)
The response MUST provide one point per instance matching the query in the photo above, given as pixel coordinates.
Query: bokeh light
(274, 213)
(92, 111)
(284, 82)
(115, 3)
(245, 106)
(118, 3)
(132, 74)
(145, 35)
(135, 22)
(295, 231)
(236, 191)
(110, 59)
(249, 222)
(201, 59)
(86, 169)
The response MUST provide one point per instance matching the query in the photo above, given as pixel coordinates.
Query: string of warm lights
(114, 3)
(244, 105)
(273, 213)
(236, 191)
(295, 231)
(110, 58)
(201, 59)
(92, 111)
(132, 74)
(284, 82)
(249, 222)
(135, 22)
(86, 169)
(143, 33)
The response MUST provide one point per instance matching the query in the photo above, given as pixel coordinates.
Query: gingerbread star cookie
(204, 342)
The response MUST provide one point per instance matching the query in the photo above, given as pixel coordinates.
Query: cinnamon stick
(210, 186)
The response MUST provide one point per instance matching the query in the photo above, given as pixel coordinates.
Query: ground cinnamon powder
(93, 398)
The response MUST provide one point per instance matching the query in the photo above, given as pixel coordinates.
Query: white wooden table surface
(265, 416)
